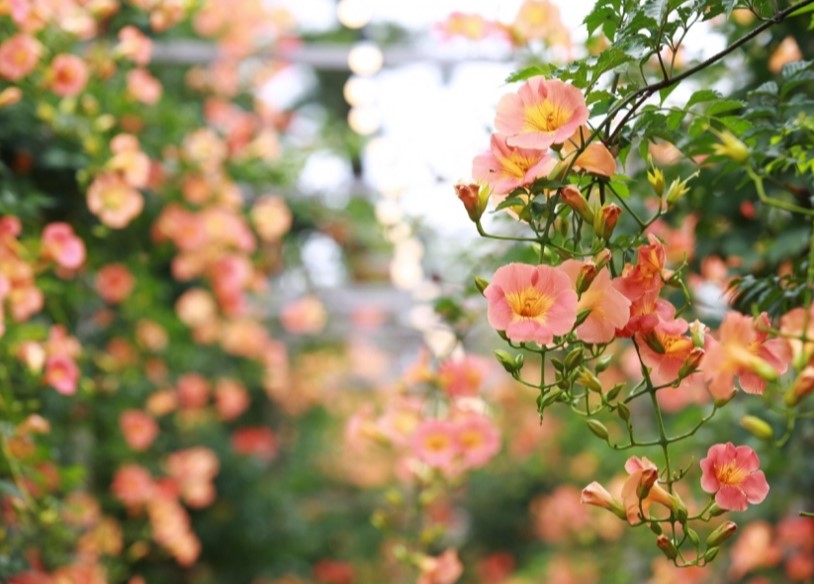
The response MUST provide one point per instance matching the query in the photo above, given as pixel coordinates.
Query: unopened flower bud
(691, 363)
(572, 197)
(574, 358)
(646, 482)
(803, 386)
(510, 364)
(582, 316)
(602, 259)
(731, 147)
(585, 277)
(656, 179)
(586, 378)
(721, 533)
(474, 197)
(603, 363)
(595, 494)
(667, 547)
(598, 428)
(697, 333)
(615, 390)
(481, 284)
(721, 400)
(608, 217)
(715, 510)
(710, 554)
(759, 428)
(623, 411)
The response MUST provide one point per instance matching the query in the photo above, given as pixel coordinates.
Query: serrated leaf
(791, 69)
(656, 9)
(605, 17)
(768, 88)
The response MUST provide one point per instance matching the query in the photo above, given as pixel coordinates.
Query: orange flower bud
(572, 197)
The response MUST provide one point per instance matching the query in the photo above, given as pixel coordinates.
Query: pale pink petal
(731, 499)
(751, 383)
(756, 487)
(499, 313)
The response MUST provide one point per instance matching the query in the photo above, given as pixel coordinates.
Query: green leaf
(703, 95)
(656, 9)
(769, 88)
(529, 72)
(605, 16)
(675, 118)
(803, 10)
(790, 70)
(724, 105)
(619, 187)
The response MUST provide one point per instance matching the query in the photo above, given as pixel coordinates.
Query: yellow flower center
(471, 439)
(515, 165)
(545, 116)
(529, 303)
(730, 474)
(437, 442)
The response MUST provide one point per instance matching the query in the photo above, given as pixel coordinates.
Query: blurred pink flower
(541, 113)
(193, 390)
(464, 376)
(271, 217)
(259, 442)
(531, 303)
(731, 473)
(304, 316)
(231, 399)
(143, 87)
(478, 440)
(62, 245)
(755, 548)
(610, 309)
(139, 429)
(132, 485)
(193, 470)
(62, 374)
(506, 168)
(113, 200)
(68, 75)
(19, 56)
(435, 442)
(134, 45)
(114, 283)
(443, 569)
(129, 160)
